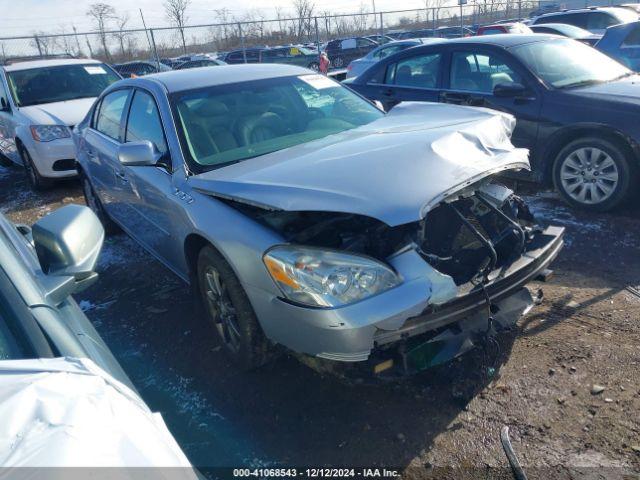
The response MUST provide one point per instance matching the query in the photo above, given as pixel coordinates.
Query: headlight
(325, 278)
(47, 133)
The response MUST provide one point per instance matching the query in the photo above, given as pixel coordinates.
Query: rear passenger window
(600, 21)
(110, 116)
(420, 71)
(144, 121)
(633, 39)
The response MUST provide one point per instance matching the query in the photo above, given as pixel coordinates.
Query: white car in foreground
(40, 102)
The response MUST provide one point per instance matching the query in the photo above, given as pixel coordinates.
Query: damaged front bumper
(353, 332)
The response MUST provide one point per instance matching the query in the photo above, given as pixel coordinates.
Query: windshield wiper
(581, 83)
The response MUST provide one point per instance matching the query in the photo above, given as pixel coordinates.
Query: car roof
(505, 40)
(582, 10)
(30, 64)
(178, 80)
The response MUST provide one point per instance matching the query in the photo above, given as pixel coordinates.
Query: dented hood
(394, 169)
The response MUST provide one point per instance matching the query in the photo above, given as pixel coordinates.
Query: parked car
(300, 56)
(380, 39)
(359, 65)
(576, 108)
(248, 55)
(631, 6)
(453, 32)
(344, 50)
(199, 63)
(421, 33)
(496, 28)
(140, 68)
(296, 228)
(622, 43)
(594, 19)
(40, 102)
(569, 31)
(106, 423)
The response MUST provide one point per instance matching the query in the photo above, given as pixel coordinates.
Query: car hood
(67, 113)
(624, 90)
(394, 169)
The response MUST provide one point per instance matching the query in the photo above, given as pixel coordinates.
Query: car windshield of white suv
(566, 63)
(61, 83)
(230, 123)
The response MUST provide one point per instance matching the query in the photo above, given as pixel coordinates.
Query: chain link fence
(161, 44)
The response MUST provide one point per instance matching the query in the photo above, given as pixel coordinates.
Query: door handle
(122, 176)
(91, 154)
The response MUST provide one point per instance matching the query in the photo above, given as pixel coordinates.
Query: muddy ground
(444, 423)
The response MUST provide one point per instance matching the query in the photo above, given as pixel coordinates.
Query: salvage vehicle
(40, 102)
(53, 363)
(306, 217)
(575, 107)
(594, 19)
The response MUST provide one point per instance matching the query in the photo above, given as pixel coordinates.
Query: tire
(37, 181)
(314, 66)
(93, 202)
(593, 174)
(337, 62)
(227, 307)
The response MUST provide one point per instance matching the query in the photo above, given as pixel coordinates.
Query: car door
(7, 123)
(412, 78)
(102, 140)
(151, 194)
(474, 72)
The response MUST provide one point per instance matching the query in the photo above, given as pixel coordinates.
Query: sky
(23, 17)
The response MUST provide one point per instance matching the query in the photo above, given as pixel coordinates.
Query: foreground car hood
(59, 113)
(394, 169)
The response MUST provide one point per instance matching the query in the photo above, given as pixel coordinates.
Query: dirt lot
(539, 382)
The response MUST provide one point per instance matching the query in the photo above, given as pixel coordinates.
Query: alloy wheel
(222, 310)
(589, 175)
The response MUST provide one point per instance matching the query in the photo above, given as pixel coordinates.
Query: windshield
(58, 84)
(565, 63)
(230, 123)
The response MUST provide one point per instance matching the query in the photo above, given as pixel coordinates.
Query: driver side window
(480, 72)
(144, 121)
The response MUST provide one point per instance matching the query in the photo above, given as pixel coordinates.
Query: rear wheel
(338, 62)
(93, 202)
(314, 66)
(37, 181)
(227, 307)
(593, 174)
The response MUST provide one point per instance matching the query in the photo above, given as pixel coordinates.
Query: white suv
(40, 103)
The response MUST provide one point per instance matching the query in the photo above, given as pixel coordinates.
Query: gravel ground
(444, 423)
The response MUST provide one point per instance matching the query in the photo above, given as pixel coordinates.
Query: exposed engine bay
(481, 228)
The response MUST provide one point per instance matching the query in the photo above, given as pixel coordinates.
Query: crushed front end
(463, 267)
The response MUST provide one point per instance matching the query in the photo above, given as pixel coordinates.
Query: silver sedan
(304, 216)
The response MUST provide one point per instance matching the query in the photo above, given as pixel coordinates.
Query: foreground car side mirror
(139, 154)
(68, 242)
(505, 90)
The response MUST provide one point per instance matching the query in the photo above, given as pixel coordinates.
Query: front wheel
(338, 62)
(93, 202)
(37, 181)
(592, 174)
(228, 309)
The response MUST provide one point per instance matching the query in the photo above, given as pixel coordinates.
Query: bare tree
(176, 11)
(121, 35)
(435, 6)
(303, 11)
(102, 13)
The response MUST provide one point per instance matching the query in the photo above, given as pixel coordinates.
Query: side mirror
(4, 105)
(138, 154)
(68, 242)
(505, 90)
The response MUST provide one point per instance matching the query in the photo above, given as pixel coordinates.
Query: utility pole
(146, 32)
(461, 3)
(75, 31)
